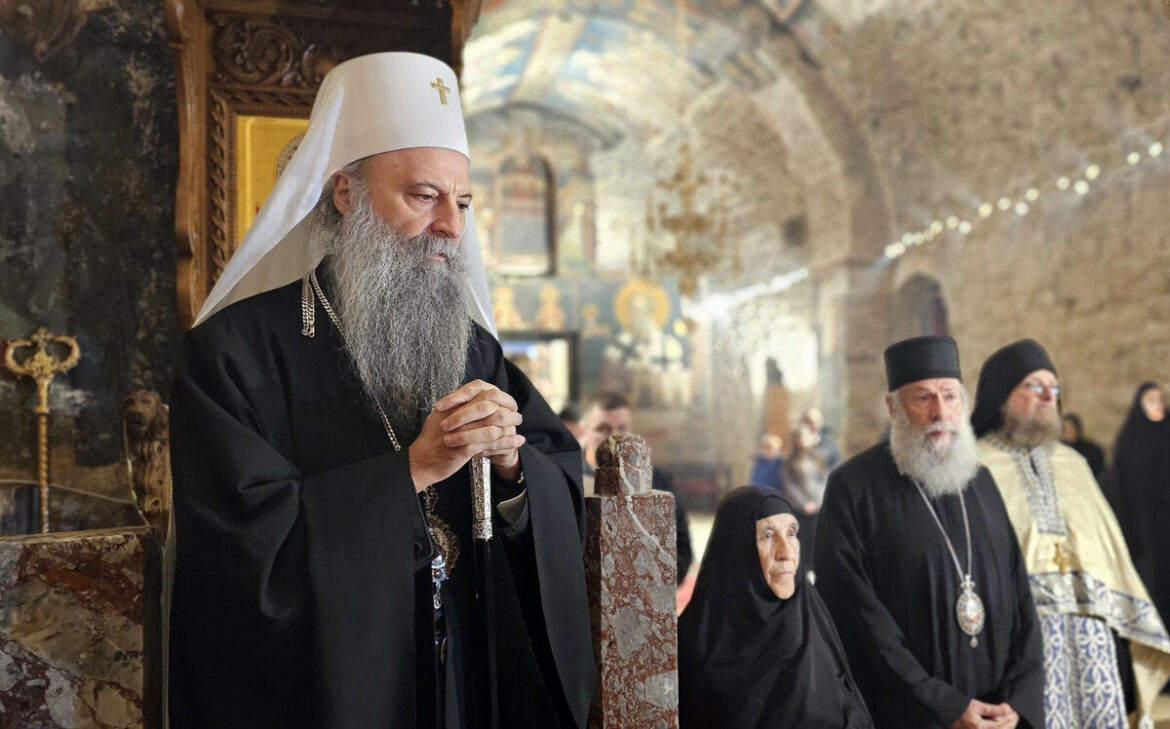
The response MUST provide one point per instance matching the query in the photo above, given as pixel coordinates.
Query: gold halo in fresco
(286, 154)
(640, 293)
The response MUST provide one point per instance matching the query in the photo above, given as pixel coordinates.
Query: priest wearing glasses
(341, 377)
(1098, 623)
(921, 570)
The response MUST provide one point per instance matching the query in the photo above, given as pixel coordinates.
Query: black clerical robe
(888, 579)
(302, 590)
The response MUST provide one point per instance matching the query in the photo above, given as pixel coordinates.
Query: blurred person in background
(805, 475)
(1073, 436)
(768, 465)
(1138, 486)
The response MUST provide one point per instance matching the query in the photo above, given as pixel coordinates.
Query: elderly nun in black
(749, 659)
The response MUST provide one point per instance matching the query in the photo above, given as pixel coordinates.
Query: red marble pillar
(630, 570)
(79, 617)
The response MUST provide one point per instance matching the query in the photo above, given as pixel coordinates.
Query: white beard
(940, 468)
(405, 316)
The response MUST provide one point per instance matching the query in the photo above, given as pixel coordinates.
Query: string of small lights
(1021, 204)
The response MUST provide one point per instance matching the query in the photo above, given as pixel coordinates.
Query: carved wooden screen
(254, 66)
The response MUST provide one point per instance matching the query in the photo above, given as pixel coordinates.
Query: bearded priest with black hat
(1085, 586)
(921, 570)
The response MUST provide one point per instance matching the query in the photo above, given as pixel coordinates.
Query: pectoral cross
(439, 86)
(1060, 559)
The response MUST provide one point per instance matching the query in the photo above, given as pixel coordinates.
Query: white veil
(366, 106)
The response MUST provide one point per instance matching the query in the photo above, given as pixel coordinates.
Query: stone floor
(701, 530)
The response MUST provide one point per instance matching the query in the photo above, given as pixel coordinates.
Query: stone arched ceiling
(626, 67)
(940, 105)
(964, 103)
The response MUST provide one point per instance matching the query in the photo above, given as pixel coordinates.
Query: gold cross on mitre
(1061, 558)
(439, 86)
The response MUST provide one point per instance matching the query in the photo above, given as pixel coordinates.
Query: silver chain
(309, 331)
(308, 310)
(964, 576)
(436, 527)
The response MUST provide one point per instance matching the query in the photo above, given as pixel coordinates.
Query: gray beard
(405, 317)
(940, 470)
(1031, 432)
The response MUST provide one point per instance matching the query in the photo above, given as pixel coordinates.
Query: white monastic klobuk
(368, 105)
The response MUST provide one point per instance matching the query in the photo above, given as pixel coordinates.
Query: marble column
(630, 570)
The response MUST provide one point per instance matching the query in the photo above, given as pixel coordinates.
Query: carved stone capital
(623, 466)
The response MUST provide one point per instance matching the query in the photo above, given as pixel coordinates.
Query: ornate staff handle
(481, 498)
(42, 367)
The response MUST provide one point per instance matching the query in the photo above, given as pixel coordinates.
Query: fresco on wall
(627, 335)
(523, 211)
(645, 358)
(534, 218)
(550, 315)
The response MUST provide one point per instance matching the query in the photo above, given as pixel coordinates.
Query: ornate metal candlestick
(42, 366)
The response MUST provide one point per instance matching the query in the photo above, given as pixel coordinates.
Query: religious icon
(523, 240)
(504, 308)
(263, 146)
(591, 328)
(550, 315)
(645, 360)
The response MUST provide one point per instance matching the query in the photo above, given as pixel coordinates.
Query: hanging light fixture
(672, 208)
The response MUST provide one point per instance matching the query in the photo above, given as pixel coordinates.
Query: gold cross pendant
(1061, 559)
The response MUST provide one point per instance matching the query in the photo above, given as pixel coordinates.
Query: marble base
(79, 619)
(630, 575)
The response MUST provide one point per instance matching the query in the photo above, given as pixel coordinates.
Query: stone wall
(88, 147)
(962, 106)
(1088, 277)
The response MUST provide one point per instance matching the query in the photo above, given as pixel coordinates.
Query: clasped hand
(980, 715)
(478, 419)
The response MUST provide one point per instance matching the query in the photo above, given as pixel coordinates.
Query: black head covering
(921, 358)
(1137, 489)
(1000, 374)
(746, 658)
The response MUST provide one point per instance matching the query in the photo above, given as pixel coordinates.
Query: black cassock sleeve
(248, 647)
(545, 560)
(294, 587)
(873, 640)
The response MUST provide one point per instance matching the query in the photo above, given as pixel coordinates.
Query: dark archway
(919, 308)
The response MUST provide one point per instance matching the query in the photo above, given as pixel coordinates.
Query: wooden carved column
(265, 59)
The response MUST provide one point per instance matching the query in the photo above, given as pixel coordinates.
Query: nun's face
(1154, 404)
(416, 191)
(779, 548)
